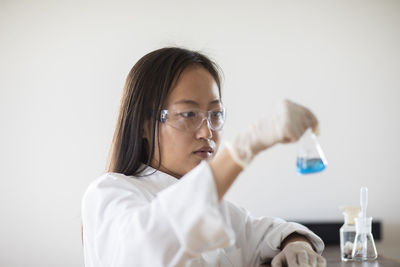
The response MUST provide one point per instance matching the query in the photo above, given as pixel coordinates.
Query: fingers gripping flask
(310, 157)
(348, 232)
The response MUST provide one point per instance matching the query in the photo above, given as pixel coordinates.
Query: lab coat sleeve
(276, 230)
(192, 208)
(264, 235)
(123, 228)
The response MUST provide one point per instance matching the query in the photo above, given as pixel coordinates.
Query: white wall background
(63, 65)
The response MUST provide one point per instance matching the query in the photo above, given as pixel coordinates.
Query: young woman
(161, 201)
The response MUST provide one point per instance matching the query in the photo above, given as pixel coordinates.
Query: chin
(193, 164)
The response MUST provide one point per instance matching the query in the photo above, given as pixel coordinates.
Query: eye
(188, 114)
(217, 114)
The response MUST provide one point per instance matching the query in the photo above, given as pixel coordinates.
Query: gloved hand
(298, 254)
(287, 124)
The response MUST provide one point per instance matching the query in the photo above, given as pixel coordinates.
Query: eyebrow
(191, 102)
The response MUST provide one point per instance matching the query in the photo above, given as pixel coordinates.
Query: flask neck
(363, 225)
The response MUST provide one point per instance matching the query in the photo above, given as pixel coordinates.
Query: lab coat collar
(161, 178)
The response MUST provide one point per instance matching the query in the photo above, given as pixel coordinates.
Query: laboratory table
(332, 256)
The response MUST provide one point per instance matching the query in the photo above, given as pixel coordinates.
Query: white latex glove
(287, 124)
(298, 254)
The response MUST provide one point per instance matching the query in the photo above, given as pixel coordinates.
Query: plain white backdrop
(63, 66)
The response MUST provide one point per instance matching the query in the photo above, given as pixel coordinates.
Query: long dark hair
(146, 88)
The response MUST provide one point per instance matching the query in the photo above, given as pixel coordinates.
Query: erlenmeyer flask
(364, 245)
(310, 157)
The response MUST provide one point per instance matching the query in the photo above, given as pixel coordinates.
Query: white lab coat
(158, 220)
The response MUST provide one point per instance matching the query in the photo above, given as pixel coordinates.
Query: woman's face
(182, 150)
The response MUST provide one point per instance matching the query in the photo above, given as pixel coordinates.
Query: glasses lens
(191, 120)
(216, 119)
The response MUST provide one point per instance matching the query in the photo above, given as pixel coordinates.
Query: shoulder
(110, 179)
(112, 184)
(113, 192)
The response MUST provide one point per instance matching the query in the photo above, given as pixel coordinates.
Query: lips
(205, 149)
(204, 152)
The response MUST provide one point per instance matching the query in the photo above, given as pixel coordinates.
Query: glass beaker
(348, 232)
(364, 246)
(310, 157)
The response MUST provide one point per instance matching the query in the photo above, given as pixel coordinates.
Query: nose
(205, 130)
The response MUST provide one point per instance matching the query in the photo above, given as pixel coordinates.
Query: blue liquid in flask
(307, 166)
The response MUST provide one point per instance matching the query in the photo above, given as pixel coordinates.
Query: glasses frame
(205, 116)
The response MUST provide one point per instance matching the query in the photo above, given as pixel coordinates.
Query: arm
(298, 251)
(262, 238)
(293, 238)
(126, 225)
(225, 170)
(286, 124)
(287, 243)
